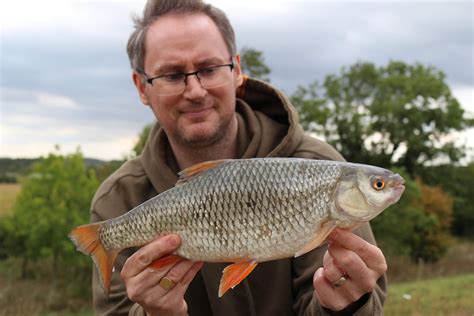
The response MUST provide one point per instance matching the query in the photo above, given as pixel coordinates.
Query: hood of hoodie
(268, 127)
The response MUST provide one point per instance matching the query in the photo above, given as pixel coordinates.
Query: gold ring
(166, 283)
(340, 281)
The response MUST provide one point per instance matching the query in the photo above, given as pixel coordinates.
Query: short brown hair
(154, 9)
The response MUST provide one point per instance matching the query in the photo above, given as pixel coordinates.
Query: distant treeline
(13, 169)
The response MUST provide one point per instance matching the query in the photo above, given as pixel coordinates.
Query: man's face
(186, 43)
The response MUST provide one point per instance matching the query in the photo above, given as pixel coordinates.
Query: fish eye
(378, 184)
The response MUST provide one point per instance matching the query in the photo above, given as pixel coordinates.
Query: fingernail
(334, 233)
(143, 259)
(173, 240)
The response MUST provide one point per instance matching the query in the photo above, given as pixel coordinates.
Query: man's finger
(370, 254)
(175, 295)
(186, 279)
(348, 261)
(326, 293)
(177, 273)
(327, 258)
(332, 272)
(144, 256)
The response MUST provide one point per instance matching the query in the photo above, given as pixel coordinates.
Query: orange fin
(86, 239)
(193, 171)
(234, 274)
(325, 229)
(165, 261)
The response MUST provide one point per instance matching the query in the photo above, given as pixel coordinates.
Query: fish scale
(212, 206)
(247, 210)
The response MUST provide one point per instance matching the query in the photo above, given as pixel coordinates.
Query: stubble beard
(204, 140)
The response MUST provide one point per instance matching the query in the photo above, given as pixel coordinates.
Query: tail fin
(86, 239)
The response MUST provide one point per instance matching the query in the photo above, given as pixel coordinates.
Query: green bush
(418, 225)
(54, 198)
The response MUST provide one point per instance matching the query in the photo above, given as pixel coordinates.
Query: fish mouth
(397, 179)
(398, 187)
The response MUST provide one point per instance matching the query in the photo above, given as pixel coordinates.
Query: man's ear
(238, 71)
(140, 84)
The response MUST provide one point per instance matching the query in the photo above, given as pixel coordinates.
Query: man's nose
(194, 90)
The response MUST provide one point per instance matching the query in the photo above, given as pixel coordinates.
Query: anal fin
(234, 274)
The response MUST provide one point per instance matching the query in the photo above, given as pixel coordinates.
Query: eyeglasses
(175, 83)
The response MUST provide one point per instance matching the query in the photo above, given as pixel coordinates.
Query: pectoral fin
(165, 261)
(234, 274)
(325, 229)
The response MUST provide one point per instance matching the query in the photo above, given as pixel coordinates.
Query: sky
(66, 80)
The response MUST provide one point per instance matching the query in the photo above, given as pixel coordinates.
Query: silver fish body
(258, 209)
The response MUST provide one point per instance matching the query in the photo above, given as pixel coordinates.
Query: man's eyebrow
(209, 62)
(177, 67)
(162, 68)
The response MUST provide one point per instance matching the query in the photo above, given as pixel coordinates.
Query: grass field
(8, 193)
(444, 288)
(441, 296)
(436, 297)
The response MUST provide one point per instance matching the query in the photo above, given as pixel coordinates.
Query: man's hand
(142, 281)
(353, 258)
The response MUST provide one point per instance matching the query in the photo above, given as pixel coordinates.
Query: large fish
(246, 211)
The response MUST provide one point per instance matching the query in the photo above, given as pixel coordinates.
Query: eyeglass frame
(187, 74)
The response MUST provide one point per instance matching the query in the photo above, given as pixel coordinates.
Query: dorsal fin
(195, 170)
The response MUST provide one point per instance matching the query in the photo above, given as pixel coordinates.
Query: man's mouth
(196, 114)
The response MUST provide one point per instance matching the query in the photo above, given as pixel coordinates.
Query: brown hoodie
(267, 127)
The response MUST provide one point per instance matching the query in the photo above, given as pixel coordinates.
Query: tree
(253, 64)
(142, 138)
(418, 225)
(396, 114)
(104, 170)
(54, 198)
(458, 181)
(431, 241)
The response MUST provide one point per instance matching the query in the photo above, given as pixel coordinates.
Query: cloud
(66, 78)
(56, 101)
(83, 18)
(311, 38)
(465, 96)
(33, 122)
(25, 107)
(116, 148)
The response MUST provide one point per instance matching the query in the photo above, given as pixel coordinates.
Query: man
(186, 69)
